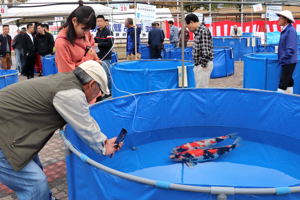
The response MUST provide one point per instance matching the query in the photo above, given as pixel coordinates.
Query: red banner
(223, 28)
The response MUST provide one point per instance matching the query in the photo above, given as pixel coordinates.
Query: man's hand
(147, 45)
(96, 45)
(99, 61)
(110, 146)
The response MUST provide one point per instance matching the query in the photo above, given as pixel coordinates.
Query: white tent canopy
(44, 13)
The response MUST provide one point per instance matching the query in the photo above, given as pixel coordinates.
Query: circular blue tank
(265, 167)
(148, 75)
(223, 59)
(262, 71)
(8, 77)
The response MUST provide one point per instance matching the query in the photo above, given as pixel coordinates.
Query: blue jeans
(28, 183)
(19, 60)
(107, 71)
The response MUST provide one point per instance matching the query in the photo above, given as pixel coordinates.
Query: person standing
(155, 40)
(203, 50)
(74, 42)
(133, 44)
(236, 32)
(104, 40)
(106, 23)
(186, 37)
(44, 44)
(173, 34)
(5, 51)
(29, 52)
(162, 45)
(287, 51)
(32, 110)
(17, 46)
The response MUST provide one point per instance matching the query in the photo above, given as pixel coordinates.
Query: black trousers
(286, 79)
(185, 44)
(156, 49)
(28, 67)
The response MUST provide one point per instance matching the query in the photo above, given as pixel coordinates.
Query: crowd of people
(52, 101)
(31, 45)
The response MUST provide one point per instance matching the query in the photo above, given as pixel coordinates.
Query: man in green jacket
(31, 111)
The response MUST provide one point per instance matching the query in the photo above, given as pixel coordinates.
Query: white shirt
(30, 35)
(285, 27)
(73, 107)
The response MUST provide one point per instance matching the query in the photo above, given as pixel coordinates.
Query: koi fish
(192, 157)
(202, 144)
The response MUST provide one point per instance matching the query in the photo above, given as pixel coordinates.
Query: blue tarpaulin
(228, 109)
(8, 77)
(262, 71)
(148, 75)
(273, 37)
(223, 59)
(49, 66)
(241, 45)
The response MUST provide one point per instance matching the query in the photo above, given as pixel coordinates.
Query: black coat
(44, 44)
(3, 41)
(105, 40)
(27, 45)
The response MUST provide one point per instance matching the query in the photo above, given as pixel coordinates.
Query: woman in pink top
(74, 38)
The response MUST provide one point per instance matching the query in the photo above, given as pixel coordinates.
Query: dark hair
(101, 16)
(157, 24)
(153, 24)
(191, 17)
(29, 25)
(39, 24)
(129, 21)
(85, 15)
(170, 22)
(5, 26)
(288, 21)
(106, 20)
(45, 26)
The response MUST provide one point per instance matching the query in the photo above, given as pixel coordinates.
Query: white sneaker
(289, 90)
(282, 91)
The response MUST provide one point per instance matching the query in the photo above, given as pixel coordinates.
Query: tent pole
(265, 26)
(135, 46)
(182, 42)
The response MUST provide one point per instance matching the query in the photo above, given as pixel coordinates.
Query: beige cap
(96, 71)
(287, 14)
(235, 26)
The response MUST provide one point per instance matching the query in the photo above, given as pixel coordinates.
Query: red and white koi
(202, 144)
(192, 157)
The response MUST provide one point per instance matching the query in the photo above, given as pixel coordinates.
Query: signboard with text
(124, 7)
(3, 9)
(58, 18)
(257, 7)
(271, 12)
(145, 12)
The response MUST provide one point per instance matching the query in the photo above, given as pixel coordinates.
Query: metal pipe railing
(221, 192)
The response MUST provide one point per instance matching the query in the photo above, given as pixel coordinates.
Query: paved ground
(52, 155)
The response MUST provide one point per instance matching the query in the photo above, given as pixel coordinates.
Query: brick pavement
(52, 155)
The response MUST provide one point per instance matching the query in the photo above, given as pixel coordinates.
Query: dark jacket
(27, 45)
(44, 43)
(131, 42)
(186, 36)
(105, 40)
(288, 46)
(17, 42)
(155, 36)
(3, 41)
